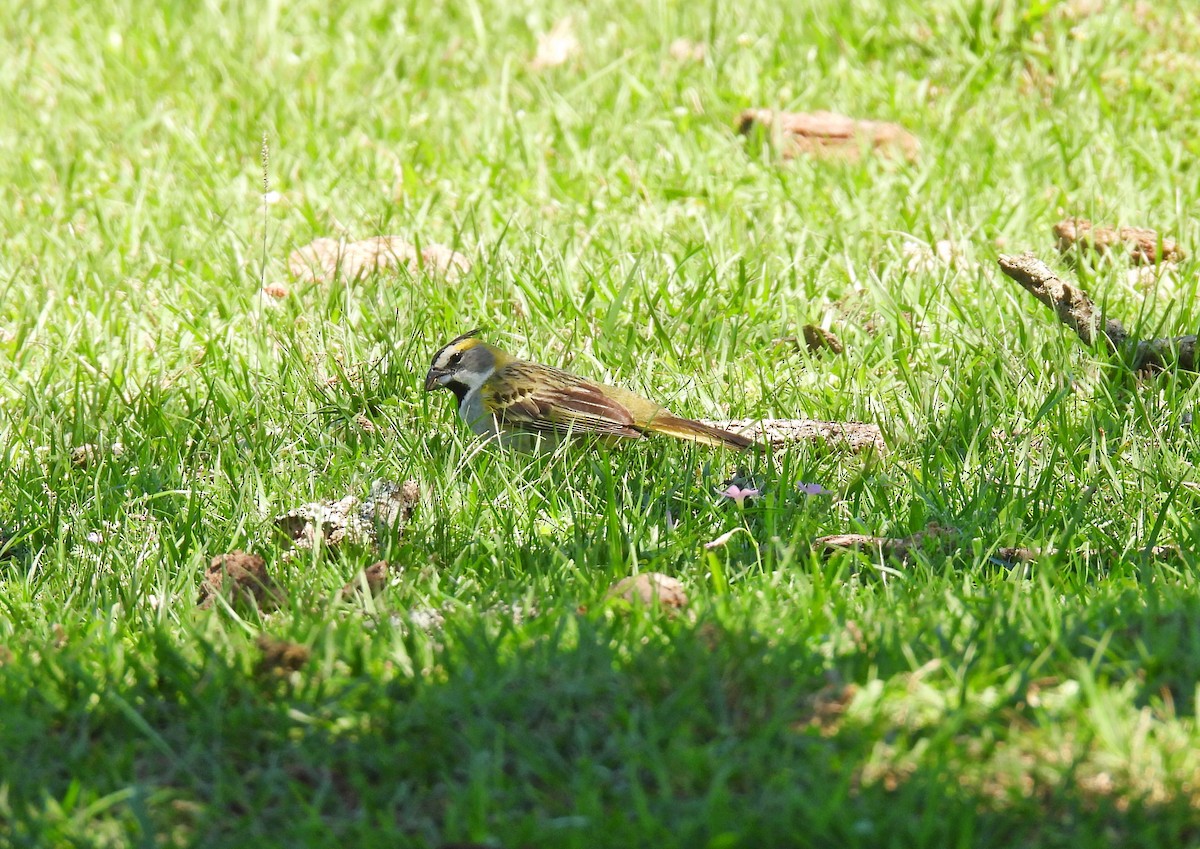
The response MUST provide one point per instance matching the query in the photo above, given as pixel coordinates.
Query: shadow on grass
(571, 731)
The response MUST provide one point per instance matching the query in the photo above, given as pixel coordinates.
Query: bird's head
(462, 364)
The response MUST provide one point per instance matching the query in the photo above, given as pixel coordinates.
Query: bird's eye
(456, 359)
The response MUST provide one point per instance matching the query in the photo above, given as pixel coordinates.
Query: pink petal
(739, 494)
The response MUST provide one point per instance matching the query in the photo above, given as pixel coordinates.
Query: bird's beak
(432, 381)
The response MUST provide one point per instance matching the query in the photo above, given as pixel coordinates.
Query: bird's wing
(529, 396)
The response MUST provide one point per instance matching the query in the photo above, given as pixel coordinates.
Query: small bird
(522, 403)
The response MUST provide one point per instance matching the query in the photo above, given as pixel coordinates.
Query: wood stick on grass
(947, 539)
(834, 436)
(1076, 310)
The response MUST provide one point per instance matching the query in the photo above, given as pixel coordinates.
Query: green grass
(619, 227)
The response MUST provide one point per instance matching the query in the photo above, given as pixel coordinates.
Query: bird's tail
(669, 425)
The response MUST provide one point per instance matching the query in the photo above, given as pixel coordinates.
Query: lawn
(169, 387)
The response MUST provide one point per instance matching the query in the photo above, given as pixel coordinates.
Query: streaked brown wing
(528, 396)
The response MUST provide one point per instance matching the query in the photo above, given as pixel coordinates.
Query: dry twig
(1022, 554)
(325, 259)
(842, 436)
(828, 134)
(902, 548)
(897, 547)
(1076, 310)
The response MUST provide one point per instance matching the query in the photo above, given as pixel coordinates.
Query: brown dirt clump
(649, 588)
(241, 578)
(280, 657)
(824, 709)
(374, 578)
(815, 340)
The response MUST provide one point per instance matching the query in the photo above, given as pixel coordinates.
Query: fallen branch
(1028, 555)
(1145, 246)
(852, 436)
(898, 547)
(827, 134)
(1076, 310)
(326, 259)
(902, 548)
